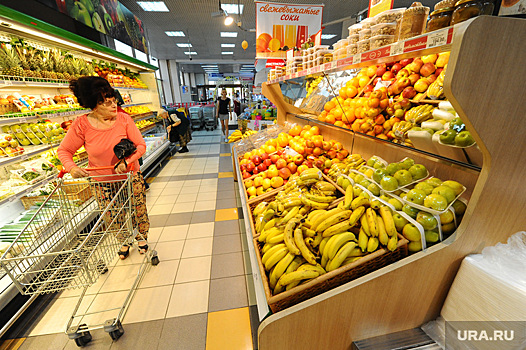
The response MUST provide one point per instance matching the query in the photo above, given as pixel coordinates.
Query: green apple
(407, 163)
(447, 217)
(434, 181)
(448, 228)
(411, 233)
(395, 203)
(379, 165)
(403, 177)
(424, 186)
(364, 195)
(352, 176)
(457, 187)
(464, 139)
(365, 183)
(42, 127)
(375, 204)
(371, 161)
(34, 128)
(20, 135)
(448, 137)
(399, 221)
(427, 220)
(392, 168)
(418, 171)
(457, 124)
(359, 178)
(389, 183)
(384, 197)
(414, 247)
(374, 189)
(409, 210)
(356, 191)
(23, 127)
(6, 129)
(39, 134)
(429, 130)
(345, 183)
(431, 236)
(435, 202)
(415, 196)
(25, 142)
(460, 207)
(446, 192)
(4, 143)
(15, 128)
(36, 141)
(379, 174)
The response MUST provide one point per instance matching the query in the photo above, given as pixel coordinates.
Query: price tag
(22, 120)
(357, 58)
(24, 157)
(309, 71)
(12, 198)
(437, 38)
(334, 64)
(8, 83)
(397, 48)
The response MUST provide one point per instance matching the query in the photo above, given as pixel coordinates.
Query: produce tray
(80, 192)
(330, 280)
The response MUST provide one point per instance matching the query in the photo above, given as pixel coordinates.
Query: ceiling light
(228, 45)
(175, 33)
(184, 45)
(153, 6)
(209, 67)
(328, 36)
(229, 34)
(227, 53)
(228, 21)
(190, 53)
(233, 8)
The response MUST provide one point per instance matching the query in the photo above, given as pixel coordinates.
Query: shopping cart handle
(63, 172)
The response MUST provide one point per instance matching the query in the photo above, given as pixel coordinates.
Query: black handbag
(122, 150)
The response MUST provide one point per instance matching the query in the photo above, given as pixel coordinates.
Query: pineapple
(67, 76)
(60, 76)
(10, 62)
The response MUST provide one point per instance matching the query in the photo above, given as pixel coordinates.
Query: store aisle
(201, 294)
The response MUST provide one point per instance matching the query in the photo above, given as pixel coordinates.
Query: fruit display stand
(411, 291)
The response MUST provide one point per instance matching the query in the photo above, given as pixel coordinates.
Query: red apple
(340, 156)
(308, 150)
(300, 149)
(421, 85)
(389, 75)
(415, 65)
(405, 103)
(413, 78)
(280, 151)
(320, 164)
(250, 167)
(368, 88)
(301, 168)
(261, 167)
(243, 167)
(274, 158)
(427, 69)
(396, 67)
(267, 162)
(338, 146)
(381, 70)
(292, 167)
(264, 156)
(438, 71)
(255, 171)
(298, 159)
(256, 159)
(318, 142)
(367, 94)
(310, 144)
(376, 80)
(326, 146)
(431, 78)
(326, 171)
(281, 163)
(406, 61)
(312, 158)
(284, 173)
(332, 154)
(403, 73)
(409, 92)
(344, 152)
(403, 82)
(246, 175)
(308, 163)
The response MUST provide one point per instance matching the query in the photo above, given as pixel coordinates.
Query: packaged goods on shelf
(380, 40)
(352, 50)
(363, 46)
(368, 23)
(383, 29)
(439, 19)
(390, 16)
(355, 29)
(365, 34)
(353, 39)
(413, 21)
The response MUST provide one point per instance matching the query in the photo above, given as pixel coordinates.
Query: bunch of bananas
(436, 89)
(401, 128)
(301, 238)
(419, 114)
(312, 84)
(237, 135)
(353, 161)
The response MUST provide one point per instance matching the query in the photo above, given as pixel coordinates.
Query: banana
(313, 213)
(338, 228)
(313, 204)
(358, 202)
(292, 202)
(267, 215)
(319, 218)
(319, 198)
(304, 210)
(383, 237)
(266, 247)
(292, 285)
(259, 208)
(297, 262)
(275, 258)
(280, 268)
(317, 240)
(365, 225)
(350, 260)
(338, 242)
(306, 224)
(276, 239)
(356, 215)
(348, 197)
(370, 214)
(271, 251)
(271, 223)
(310, 175)
(290, 277)
(341, 206)
(340, 256)
(363, 239)
(372, 244)
(333, 220)
(393, 243)
(387, 217)
(292, 213)
(300, 243)
(311, 171)
(273, 233)
(356, 252)
(325, 186)
(308, 232)
(316, 267)
(307, 182)
(288, 237)
(323, 243)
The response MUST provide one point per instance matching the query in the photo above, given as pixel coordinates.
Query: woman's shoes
(143, 248)
(123, 254)
(183, 150)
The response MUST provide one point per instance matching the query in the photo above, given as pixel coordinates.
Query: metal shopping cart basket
(69, 243)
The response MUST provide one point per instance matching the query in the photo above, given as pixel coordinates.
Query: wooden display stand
(484, 82)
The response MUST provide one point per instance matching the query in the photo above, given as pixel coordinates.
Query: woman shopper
(223, 109)
(99, 131)
(178, 129)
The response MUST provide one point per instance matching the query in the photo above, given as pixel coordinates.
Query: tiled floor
(200, 295)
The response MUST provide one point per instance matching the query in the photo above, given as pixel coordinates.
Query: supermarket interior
(301, 174)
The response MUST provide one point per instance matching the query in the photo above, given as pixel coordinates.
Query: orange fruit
(348, 117)
(364, 80)
(295, 130)
(337, 113)
(338, 123)
(354, 82)
(323, 113)
(315, 130)
(351, 91)
(321, 118)
(273, 142)
(308, 135)
(329, 105)
(306, 127)
(343, 92)
(330, 119)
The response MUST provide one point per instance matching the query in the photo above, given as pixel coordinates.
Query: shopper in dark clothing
(178, 129)
(223, 109)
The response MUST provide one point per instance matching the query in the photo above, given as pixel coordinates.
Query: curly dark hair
(90, 91)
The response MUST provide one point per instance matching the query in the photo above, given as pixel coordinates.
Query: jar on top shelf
(466, 9)
(439, 19)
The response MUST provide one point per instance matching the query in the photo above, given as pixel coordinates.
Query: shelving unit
(410, 292)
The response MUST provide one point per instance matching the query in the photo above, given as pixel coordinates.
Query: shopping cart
(69, 243)
(196, 117)
(209, 114)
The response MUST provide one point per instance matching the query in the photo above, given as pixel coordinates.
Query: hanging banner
(280, 27)
(379, 6)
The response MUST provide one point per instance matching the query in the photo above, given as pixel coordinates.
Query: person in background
(178, 129)
(237, 105)
(99, 131)
(223, 109)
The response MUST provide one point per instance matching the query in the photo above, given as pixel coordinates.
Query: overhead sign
(379, 6)
(273, 63)
(280, 27)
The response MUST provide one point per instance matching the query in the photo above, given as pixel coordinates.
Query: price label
(357, 58)
(22, 120)
(397, 48)
(7, 83)
(24, 157)
(12, 198)
(437, 38)
(309, 71)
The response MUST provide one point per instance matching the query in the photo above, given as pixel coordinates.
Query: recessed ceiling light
(190, 53)
(232, 8)
(228, 45)
(209, 65)
(184, 45)
(229, 34)
(328, 36)
(227, 53)
(153, 6)
(175, 33)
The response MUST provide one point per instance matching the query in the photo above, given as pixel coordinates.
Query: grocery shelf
(25, 119)
(148, 128)
(135, 104)
(22, 82)
(437, 41)
(128, 88)
(29, 152)
(27, 190)
(143, 116)
(153, 157)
